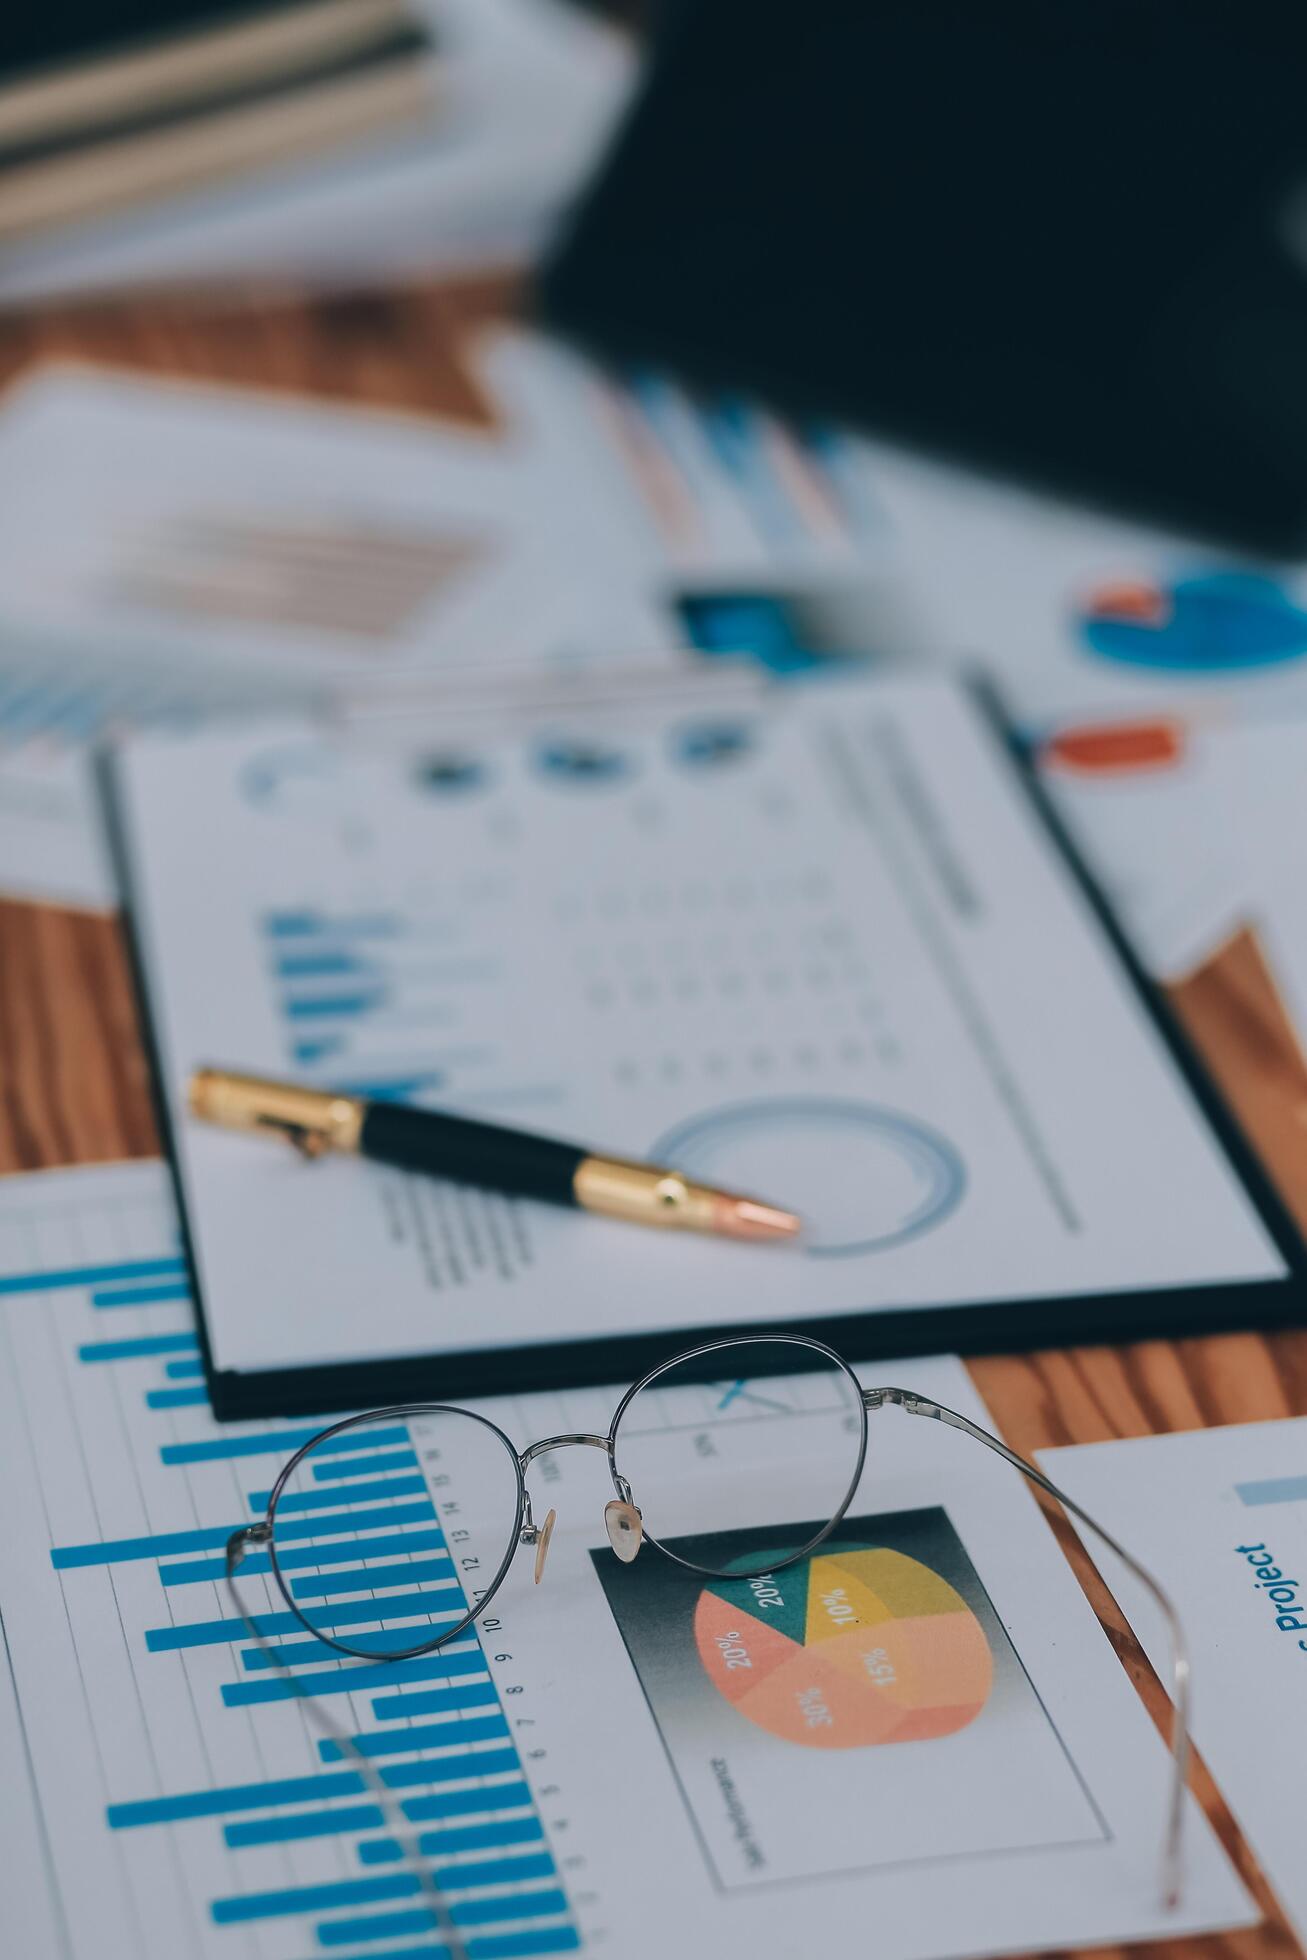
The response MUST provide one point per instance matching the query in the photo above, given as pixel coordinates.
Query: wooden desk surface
(73, 1081)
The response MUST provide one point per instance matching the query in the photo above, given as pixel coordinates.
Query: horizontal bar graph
(365, 1559)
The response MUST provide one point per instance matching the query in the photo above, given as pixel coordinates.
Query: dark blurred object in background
(104, 106)
(1061, 239)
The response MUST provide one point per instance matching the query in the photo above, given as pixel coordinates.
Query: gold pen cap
(312, 1119)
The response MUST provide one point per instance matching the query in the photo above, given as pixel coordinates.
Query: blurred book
(195, 143)
(101, 123)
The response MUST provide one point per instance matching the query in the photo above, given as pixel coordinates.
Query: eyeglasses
(388, 1534)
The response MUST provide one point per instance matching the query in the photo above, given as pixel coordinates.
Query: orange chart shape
(846, 1649)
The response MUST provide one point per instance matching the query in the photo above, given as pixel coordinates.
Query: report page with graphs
(913, 1731)
(817, 946)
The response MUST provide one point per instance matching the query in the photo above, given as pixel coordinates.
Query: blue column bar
(495, 1871)
(365, 1466)
(350, 1679)
(345, 1613)
(176, 1398)
(377, 1519)
(525, 1945)
(428, 1735)
(296, 1556)
(318, 1500)
(90, 1275)
(522, 1905)
(465, 1837)
(466, 1803)
(372, 1578)
(382, 1641)
(1273, 1490)
(318, 966)
(180, 1371)
(275, 1442)
(363, 925)
(305, 1824)
(333, 1007)
(313, 1898)
(379, 1926)
(141, 1296)
(449, 1769)
(236, 1796)
(398, 1708)
(425, 1950)
(118, 1551)
(132, 1350)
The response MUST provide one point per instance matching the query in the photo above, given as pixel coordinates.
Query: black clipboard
(968, 1327)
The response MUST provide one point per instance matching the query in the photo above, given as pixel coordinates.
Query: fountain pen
(499, 1159)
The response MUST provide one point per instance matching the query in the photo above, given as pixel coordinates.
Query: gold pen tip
(749, 1218)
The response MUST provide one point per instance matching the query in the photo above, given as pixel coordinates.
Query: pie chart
(855, 1646)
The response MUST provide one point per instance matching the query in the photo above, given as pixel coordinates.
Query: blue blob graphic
(1217, 622)
(581, 760)
(450, 775)
(707, 745)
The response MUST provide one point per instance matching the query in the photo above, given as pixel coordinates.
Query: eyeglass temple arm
(918, 1405)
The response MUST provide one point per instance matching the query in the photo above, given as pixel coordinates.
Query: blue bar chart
(387, 1006)
(302, 1851)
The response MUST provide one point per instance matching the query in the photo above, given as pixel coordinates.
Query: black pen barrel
(472, 1152)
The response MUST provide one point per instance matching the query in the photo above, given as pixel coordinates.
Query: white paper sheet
(1220, 1517)
(607, 1793)
(793, 951)
(172, 552)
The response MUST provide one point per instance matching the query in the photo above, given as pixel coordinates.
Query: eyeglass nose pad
(543, 1537)
(625, 1531)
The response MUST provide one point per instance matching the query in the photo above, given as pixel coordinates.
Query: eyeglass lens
(388, 1530)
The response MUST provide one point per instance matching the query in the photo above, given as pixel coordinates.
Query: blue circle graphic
(1211, 623)
(863, 1178)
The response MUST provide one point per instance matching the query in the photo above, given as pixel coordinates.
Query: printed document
(819, 948)
(1220, 1517)
(589, 1771)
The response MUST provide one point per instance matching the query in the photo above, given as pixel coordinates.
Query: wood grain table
(73, 1079)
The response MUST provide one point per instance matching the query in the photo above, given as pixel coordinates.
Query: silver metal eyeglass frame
(626, 1532)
